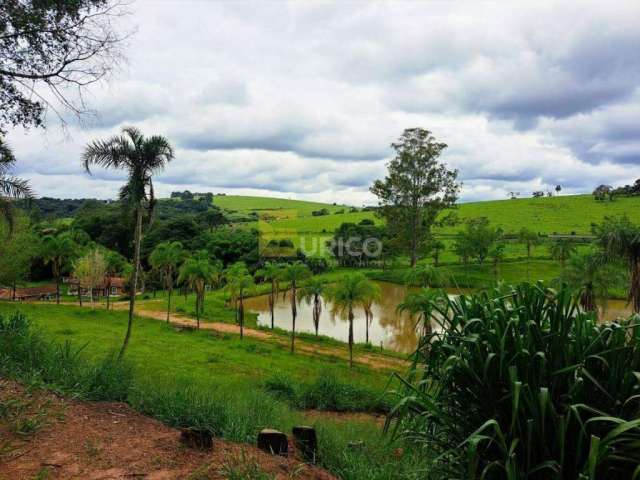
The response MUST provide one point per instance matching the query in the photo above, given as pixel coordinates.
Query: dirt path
(69, 439)
(372, 360)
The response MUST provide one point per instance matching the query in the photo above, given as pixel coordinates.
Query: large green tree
(58, 251)
(50, 50)
(416, 189)
(141, 157)
(294, 274)
(165, 259)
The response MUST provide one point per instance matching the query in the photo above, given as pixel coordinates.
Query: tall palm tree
(312, 292)
(421, 305)
(530, 239)
(58, 251)
(592, 276)
(197, 272)
(294, 273)
(350, 292)
(141, 157)
(10, 187)
(620, 239)
(271, 272)
(165, 259)
(561, 250)
(240, 282)
(367, 305)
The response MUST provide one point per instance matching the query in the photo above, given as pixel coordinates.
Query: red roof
(7, 293)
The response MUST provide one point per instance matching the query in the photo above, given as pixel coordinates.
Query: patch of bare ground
(43, 435)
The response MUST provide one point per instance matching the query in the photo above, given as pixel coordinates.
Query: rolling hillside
(293, 219)
(564, 214)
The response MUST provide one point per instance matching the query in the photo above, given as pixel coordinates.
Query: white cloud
(304, 99)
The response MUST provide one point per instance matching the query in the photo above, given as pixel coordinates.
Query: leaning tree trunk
(134, 285)
(58, 290)
(350, 337)
(294, 313)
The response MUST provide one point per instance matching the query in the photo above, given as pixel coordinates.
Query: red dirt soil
(109, 441)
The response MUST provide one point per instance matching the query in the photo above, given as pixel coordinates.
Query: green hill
(571, 214)
(563, 214)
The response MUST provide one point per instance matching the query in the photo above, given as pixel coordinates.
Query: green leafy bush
(520, 383)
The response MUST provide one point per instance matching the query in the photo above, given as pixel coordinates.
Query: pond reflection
(389, 329)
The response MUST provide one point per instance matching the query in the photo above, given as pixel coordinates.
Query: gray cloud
(304, 99)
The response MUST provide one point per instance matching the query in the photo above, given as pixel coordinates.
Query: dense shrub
(519, 383)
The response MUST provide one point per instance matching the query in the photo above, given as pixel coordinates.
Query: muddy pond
(389, 329)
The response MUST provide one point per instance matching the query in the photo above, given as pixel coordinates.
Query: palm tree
(530, 239)
(141, 157)
(165, 259)
(271, 272)
(620, 239)
(367, 305)
(10, 187)
(436, 249)
(294, 274)
(421, 304)
(312, 292)
(592, 276)
(240, 282)
(350, 292)
(561, 250)
(422, 275)
(197, 272)
(58, 251)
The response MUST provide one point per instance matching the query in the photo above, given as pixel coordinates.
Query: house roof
(7, 293)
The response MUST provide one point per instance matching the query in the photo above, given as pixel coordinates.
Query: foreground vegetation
(215, 381)
(521, 383)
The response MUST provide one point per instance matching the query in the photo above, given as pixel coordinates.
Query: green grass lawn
(219, 381)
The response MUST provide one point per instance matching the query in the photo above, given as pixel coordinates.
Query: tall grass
(519, 383)
(25, 355)
(327, 392)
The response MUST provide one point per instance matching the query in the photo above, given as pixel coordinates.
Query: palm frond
(14, 187)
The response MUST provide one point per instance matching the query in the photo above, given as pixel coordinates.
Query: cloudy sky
(303, 99)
